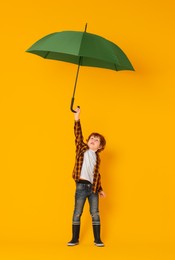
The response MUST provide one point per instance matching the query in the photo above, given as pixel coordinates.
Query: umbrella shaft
(76, 78)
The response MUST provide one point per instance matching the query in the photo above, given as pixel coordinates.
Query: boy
(87, 177)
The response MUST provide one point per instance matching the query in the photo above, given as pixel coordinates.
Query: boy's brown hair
(102, 140)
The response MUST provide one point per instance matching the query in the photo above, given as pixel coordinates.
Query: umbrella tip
(85, 27)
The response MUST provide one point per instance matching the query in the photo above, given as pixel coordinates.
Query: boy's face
(94, 143)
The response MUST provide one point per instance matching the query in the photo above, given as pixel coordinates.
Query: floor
(24, 250)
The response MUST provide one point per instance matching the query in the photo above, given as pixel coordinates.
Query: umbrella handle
(71, 106)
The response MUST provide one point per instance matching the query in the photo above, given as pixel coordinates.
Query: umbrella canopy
(83, 49)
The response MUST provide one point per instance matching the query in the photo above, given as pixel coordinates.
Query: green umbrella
(83, 49)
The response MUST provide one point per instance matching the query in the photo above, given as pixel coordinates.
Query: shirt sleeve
(99, 184)
(78, 134)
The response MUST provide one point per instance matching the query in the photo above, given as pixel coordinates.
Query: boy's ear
(100, 147)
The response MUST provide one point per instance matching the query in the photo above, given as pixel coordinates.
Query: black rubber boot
(97, 241)
(75, 235)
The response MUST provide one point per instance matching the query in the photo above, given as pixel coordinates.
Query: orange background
(133, 110)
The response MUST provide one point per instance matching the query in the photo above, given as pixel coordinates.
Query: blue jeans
(83, 192)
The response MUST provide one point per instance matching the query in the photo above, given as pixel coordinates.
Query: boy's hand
(102, 194)
(77, 114)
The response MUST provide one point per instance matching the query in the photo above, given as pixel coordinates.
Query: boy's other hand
(102, 194)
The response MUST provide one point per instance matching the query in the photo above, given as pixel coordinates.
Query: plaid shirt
(81, 148)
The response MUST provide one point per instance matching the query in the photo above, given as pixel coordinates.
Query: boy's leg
(97, 241)
(80, 198)
(94, 211)
(75, 235)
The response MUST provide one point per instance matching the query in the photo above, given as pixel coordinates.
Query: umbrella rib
(47, 53)
(115, 67)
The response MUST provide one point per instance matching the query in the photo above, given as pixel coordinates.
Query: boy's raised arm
(77, 129)
(77, 114)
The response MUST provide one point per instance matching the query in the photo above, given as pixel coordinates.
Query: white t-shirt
(87, 170)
